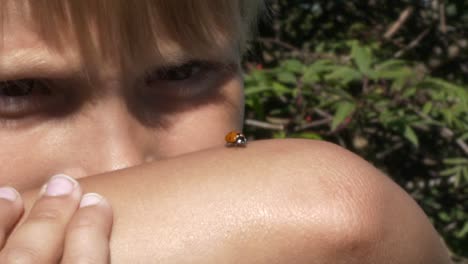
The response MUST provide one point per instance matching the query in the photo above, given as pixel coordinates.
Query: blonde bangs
(133, 29)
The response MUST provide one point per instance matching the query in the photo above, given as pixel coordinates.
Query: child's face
(53, 121)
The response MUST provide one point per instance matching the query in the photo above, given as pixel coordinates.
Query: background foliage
(387, 79)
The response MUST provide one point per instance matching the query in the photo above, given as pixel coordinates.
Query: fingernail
(90, 199)
(60, 185)
(8, 193)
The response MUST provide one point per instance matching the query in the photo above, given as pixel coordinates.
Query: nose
(111, 139)
(120, 147)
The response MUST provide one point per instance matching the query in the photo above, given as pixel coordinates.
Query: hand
(63, 226)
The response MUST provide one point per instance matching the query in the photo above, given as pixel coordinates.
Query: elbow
(337, 208)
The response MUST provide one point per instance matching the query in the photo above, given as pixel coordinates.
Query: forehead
(28, 31)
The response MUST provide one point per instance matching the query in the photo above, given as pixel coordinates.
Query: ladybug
(236, 139)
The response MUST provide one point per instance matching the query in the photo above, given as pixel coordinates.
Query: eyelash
(19, 97)
(23, 97)
(187, 80)
(176, 73)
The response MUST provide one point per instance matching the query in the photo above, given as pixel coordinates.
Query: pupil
(16, 89)
(179, 74)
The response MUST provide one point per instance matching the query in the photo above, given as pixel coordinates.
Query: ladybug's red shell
(236, 139)
(231, 137)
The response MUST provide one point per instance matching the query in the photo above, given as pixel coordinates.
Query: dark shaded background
(386, 79)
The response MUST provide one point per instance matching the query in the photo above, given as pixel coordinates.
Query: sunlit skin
(178, 194)
(113, 123)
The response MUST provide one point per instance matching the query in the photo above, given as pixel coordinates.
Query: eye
(18, 97)
(186, 81)
(15, 89)
(179, 73)
(21, 88)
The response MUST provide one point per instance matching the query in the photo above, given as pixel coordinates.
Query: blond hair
(132, 28)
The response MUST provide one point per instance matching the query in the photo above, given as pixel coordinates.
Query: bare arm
(273, 202)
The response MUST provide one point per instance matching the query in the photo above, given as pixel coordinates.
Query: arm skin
(288, 201)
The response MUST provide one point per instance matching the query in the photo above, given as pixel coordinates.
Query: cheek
(25, 158)
(81, 146)
(206, 126)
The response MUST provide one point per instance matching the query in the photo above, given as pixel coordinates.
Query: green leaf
(457, 178)
(427, 108)
(287, 77)
(393, 69)
(307, 135)
(449, 172)
(448, 116)
(258, 107)
(363, 57)
(310, 77)
(386, 117)
(391, 64)
(402, 73)
(465, 173)
(294, 66)
(454, 90)
(409, 92)
(279, 134)
(464, 137)
(399, 84)
(463, 232)
(257, 76)
(452, 9)
(344, 110)
(411, 136)
(278, 88)
(344, 75)
(443, 84)
(321, 66)
(255, 90)
(444, 216)
(456, 161)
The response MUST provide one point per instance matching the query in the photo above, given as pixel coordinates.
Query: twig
(276, 20)
(397, 25)
(280, 43)
(365, 85)
(462, 145)
(443, 17)
(264, 125)
(387, 152)
(445, 132)
(322, 113)
(317, 123)
(413, 43)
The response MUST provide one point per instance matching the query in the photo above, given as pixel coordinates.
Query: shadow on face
(58, 114)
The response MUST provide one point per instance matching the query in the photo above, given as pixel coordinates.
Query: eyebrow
(36, 62)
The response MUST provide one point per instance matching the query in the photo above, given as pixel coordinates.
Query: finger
(39, 239)
(11, 209)
(87, 239)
